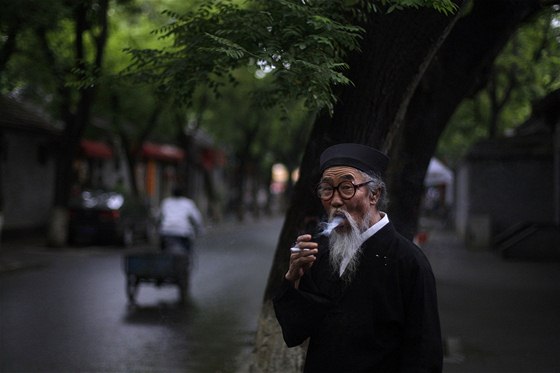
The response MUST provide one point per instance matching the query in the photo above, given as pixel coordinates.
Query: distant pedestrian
(181, 222)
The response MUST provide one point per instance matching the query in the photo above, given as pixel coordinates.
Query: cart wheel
(131, 288)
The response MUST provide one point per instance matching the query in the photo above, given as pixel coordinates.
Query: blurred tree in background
(526, 70)
(65, 57)
(49, 45)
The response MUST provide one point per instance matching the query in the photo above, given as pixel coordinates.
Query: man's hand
(301, 261)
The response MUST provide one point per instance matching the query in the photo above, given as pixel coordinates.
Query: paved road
(67, 310)
(497, 316)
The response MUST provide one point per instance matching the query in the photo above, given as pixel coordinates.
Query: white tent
(438, 174)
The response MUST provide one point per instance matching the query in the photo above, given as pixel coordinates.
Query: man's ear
(374, 197)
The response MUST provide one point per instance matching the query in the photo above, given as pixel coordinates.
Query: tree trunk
(243, 174)
(75, 124)
(9, 45)
(460, 68)
(395, 51)
(58, 223)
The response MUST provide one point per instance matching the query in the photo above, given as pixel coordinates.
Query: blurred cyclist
(181, 221)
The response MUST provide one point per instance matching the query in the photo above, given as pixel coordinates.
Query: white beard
(345, 247)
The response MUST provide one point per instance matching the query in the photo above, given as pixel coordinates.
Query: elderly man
(365, 296)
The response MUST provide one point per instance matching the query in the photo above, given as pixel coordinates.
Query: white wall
(503, 192)
(27, 183)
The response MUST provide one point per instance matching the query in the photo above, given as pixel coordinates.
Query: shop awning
(96, 149)
(212, 158)
(162, 152)
(438, 174)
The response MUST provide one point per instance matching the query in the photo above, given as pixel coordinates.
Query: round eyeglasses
(346, 189)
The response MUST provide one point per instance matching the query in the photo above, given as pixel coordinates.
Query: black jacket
(384, 320)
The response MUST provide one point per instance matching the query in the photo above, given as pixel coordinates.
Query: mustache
(338, 213)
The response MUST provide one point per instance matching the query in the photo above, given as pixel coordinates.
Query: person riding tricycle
(180, 222)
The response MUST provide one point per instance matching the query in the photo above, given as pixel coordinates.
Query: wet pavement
(497, 315)
(66, 310)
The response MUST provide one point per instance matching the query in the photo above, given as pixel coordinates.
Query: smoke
(327, 227)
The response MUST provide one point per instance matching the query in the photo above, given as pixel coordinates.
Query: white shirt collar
(376, 227)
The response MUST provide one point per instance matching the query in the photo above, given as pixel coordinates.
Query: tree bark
(461, 67)
(75, 123)
(396, 49)
(9, 45)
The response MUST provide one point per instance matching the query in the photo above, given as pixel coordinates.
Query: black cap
(362, 157)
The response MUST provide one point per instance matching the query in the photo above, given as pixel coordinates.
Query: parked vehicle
(104, 217)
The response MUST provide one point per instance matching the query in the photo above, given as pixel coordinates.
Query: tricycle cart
(158, 268)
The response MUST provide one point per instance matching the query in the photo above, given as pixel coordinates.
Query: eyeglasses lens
(346, 189)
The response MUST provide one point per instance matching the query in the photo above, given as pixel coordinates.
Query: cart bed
(158, 268)
(155, 265)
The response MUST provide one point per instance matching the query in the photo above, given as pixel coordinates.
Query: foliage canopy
(526, 70)
(301, 43)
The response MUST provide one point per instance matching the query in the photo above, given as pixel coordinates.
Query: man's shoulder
(177, 202)
(183, 201)
(398, 246)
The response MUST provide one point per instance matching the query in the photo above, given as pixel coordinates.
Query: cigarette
(296, 249)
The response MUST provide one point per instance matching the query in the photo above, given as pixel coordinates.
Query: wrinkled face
(361, 206)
